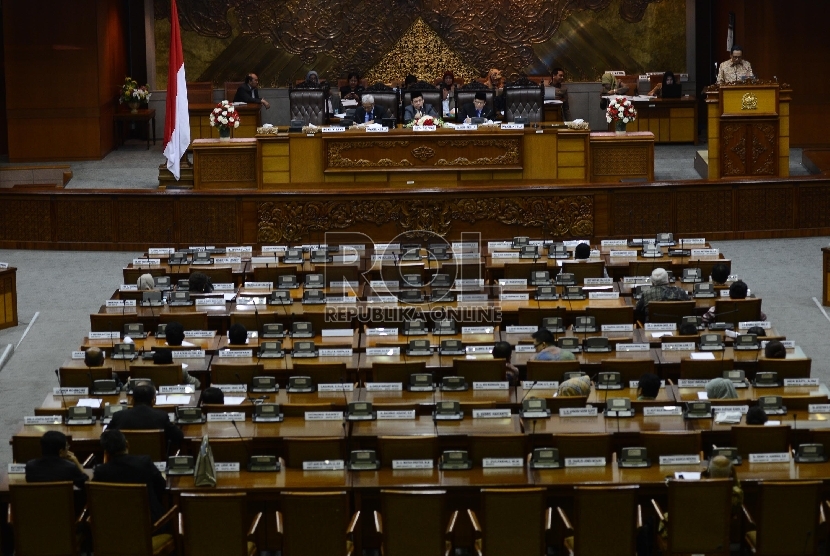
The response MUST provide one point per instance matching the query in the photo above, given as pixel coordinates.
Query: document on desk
(702, 355)
(234, 400)
(89, 402)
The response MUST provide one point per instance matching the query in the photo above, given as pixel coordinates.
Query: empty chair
(120, 519)
(298, 450)
(147, 443)
(584, 269)
(339, 272)
(699, 517)
(75, 377)
(36, 505)
(752, 439)
(786, 368)
(246, 407)
(322, 372)
(616, 508)
(524, 102)
(550, 370)
(557, 403)
(497, 446)
(670, 311)
(216, 525)
(583, 445)
(629, 369)
(392, 448)
(522, 271)
(737, 310)
(699, 369)
(397, 372)
(468, 406)
(300, 409)
(308, 105)
(670, 443)
(464, 271)
(643, 268)
(273, 272)
(316, 523)
(414, 523)
(786, 519)
(160, 375)
(253, 321)
(230, 373)
(479, 370)
(512, 521)
(219, 274)
(611, 315)
(190, 321)
(396, 272)
(109, 322)
(226, 450)
(533, 316)
(320, 321)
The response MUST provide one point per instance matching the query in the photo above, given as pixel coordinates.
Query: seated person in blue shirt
(369, 112)
(418, 108)
(476, 109)
(546, 350)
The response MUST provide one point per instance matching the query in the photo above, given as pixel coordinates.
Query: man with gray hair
(660, 290)
(368, 113)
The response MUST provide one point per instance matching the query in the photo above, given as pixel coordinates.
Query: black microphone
(256, 316)
(241, 440)
(631, 222)
(247, 394)
(532, 386)
(60, 389)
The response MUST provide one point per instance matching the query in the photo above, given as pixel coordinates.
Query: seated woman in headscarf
(312, 80)
(146, 282)
(721, 389)
(576, 386)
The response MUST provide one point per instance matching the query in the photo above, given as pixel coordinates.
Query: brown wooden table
(144, 115)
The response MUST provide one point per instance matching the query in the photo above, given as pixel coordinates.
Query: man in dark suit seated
(476, 109)
(121, 467)
(249, 92)
(143, 416)
(369, 112)
(56, 463)
(418, 108)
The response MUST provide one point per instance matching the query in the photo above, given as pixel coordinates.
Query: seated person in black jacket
(143, 416)
(249, 92)
(121, 467)
(56, 463)
(418, 108)
(476, 109)
(369, 112)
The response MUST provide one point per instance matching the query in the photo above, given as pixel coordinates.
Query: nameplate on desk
(199, 333)
(146, 262)
(730, 408)
(506, 255)
(678, 346)
(226, 416)
(775, 457)
(705, 252)
(70, 391)
(333, 129)
(383, 351)
(751, 323)
(78, 355)
(104, 335)
(525, 348)
(540, 385)
(473, 350)
(384, 386)
(160, 250)
(188, 354)
(801, 382)
(631, 253)
(241, 249)
(512, 282)
(577, 411)
(383, 257)
(464, 246)
(490, 413)
(335, 387)
(585, 462)
(337, 333)
(512, 126)
(692, 382)
(128, 288)
(491, 385)
(226, 466)
(632, 347)
(476, 330)
(264, 260)
(210, 301)
(227, 287)
(179, 389)
(495, 463)
(690, 459)
(499, 245)
(476, 282)
(340, 299)
(466, 127)
(344, 284)
(42, 420)
(402, 414)
(382, 299)
(636, 280)
(396, 464)
(661, 326)
(614, 242)
(236, 353)
(377, 129)
(617, 328)
(16, 468)
(200, 248)
(462, 297)
(513, 329)
(693, 241)
(603, 295)
(599, 282)
(385, 246)
(423, 128)
(323, 415)
(335, 352)
(662, 411)
(227, 260)
(818, 408)
(325, 465)
(724, 293)
(231, 387)
(517, 296)
(636, 384)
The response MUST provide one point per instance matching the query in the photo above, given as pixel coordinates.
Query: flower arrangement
(426, 121)
(131, 92)
(224, 116)
(620, 109)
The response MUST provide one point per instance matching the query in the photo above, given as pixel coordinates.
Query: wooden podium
(749, 130)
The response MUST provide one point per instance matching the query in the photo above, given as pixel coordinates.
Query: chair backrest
(698, 369)
(514, 271)
(707, 266)
(397, 372)
(219, 274)
(611, 315)
(160, 375)
(120, 517)
(106, 322)
(532, 316)
(74, 377)
(464, 271)
(246, 408)
(201, 92)
(583, 445)
(26, 447)
(388, 100)
(670, 443)
(496, 446)
(479, 370)
(629, 369)
(754, 439)
(189, 321)
(322, 372)
(320, 321)
(670, 311)
(699, 516)
(786, 368)
(615, 507)
(787, 517)
(584, 269)
(214, 524)
(513, 521)
(557, 403)
(432, 97)
(300, 409)
(643, 268)
(339, 272)
(227, 450)
(298, 450)
(231, 88)
(252, 321)
(230, 373)
(406, 447)
(413, 522)
(525, 102)
(34, 505)
(308, 105)
(465, 96)
(147, 443)
(272, 273)
(738, 310)
(550, 370)
(314, 523)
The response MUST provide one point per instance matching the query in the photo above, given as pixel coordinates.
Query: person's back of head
(212, 395)
(146, 282)
(582, 251)
(93, 357)
(757, 330)
(738, 290)
(113, 442)
(237, 335)
(502, 350)
(52, 443)
(144, 394)
(756, 416)
(721, 389)
(199, 282)
(649, 385)
(775, 350)
(174, 333)
(687, 329)
(720, 467)
(543, 336)
(162, 356)
(720, 273)
(576, 386)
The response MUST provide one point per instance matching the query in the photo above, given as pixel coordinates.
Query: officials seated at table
(476, 109)
(418, 108)
(143, 416)
(369, 112)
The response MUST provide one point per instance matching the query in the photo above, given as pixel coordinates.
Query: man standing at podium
(735, 69)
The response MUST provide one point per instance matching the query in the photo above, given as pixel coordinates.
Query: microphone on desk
(60, 389)
(241, 440)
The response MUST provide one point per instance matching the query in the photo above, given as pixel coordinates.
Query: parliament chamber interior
(406, 279)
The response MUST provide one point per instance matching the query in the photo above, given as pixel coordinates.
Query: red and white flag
(176, 120)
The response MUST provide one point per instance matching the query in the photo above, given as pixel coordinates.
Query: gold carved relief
(423, 153)
(749, 102)
(337, 160)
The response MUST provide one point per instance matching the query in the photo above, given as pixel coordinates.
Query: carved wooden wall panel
(749, 148)
(228, 167)
(763, 148)
(79, 220)
(208, 221)
(813, 206)
(145, 221)
(733, 153)
(704, 211)
(26, 220)
(767, 208)
(640, 213)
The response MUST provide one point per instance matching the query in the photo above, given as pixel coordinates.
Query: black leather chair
(387, 98)
(308, 105)
(524, 102)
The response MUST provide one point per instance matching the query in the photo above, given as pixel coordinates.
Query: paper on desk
(229, 297)
(184, 365)
(172, 399)
(687, 475)
(185, 343)
(239, 103)
(89, 402)
(772, 423)
(234, 400)
(702, 355)
(660, 334)
(127, 340)
(702, 396)
(553, 101)
(348, 102)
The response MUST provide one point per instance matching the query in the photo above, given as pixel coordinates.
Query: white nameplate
(476, 282)
(730, 408)
(462, 297)
(227, 260)
(690, 459)
(231, 387)
(177, 389)
(525, 348)
(160, 250)
(260, 285)
(120, 303)
(42, 420)
(495, 463)
(631, 253)
(333, 129)
(383, 351)
(128, 288)
(801, 382)
(678, 346)
(70, 391)
(412, 464)
(200, 248)
(692, 383)
(512, 126)
(724, 293)
(210, 301)
(242, 249)
(636, 280)
(376, 129)
(384, 386)
(423, 128)
(323, 415)
(146, 262)
(343, 284)
(662, 411)
(577, 411)
(759, 323)
(786, 343)
(227, 287)
(613, 242)
(540, 385)
(337, 333)
(226, 466)
(585, 462)
(478, 349)
(632, 347)
(782, 457)
(818, 408)
(385, 246)
(236, 353)
(491, 413)
(264, 260)
(617, 328)
(382, 299)
(336, 352)
(466, 127)
(383, 257)
(705, 252)
(661, 326)
(499, 245)
(228, 416)
(396, 414)
(636, 384)
(78, 355)
(693, 241)
(512, 282)
(599, 282)
(341, 299)
(199, 333)
(476, 330)
(516, 296)
(603, 295)
(17, 469)
(464, 245)
(335, 387)
(326, 465)
(104, 335)
(496, 385)
(189, 354)
(521, 329)
(506, 255)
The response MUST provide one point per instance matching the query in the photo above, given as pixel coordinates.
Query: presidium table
(543, 154)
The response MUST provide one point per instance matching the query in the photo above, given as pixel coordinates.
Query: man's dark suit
(246, 94)
(469, 111)
(131, 469)
(54, 468)
(378, 113)
(426, 110)
(144, 417)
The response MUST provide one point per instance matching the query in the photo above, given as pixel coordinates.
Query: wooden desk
(224, 165)
(8, 297)
(671, 120)
(622, 157)
(144, 115)
(825, 282)
(200, 128)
